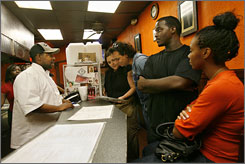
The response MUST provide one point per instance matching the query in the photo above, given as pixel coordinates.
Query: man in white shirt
(37, 101)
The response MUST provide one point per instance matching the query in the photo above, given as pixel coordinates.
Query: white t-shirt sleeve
(26, 92)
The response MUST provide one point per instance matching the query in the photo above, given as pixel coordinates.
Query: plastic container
(73, 49)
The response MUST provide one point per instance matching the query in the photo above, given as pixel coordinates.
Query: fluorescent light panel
(51, 34)
(103, 6)
(88, 32)
(45, 5)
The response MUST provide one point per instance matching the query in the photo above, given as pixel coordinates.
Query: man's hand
(65, 106)
(141, 82)
(65, 101)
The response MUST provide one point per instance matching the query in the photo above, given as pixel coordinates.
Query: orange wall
(60, 59)
(206, 11)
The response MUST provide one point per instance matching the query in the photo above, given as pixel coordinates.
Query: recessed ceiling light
(45, 5)
(90, 34)
(103, 6)
(51, 34)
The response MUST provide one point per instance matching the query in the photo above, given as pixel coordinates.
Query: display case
(83, 74)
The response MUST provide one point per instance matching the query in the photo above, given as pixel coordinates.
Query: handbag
(171, 148)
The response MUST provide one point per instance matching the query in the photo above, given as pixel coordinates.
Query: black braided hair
(220, 37)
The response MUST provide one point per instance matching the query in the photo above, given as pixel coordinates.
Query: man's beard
(47, 66)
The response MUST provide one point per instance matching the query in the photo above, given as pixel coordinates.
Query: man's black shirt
(166, 106)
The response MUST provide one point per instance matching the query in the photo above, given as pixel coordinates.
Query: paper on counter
(93, 113)
(62, 143)
(76, 105)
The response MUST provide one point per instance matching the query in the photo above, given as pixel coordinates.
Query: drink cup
(83, 91)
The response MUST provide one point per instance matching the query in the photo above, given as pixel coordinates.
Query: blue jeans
(143, 101)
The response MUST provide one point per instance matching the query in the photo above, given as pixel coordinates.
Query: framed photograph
(87, 57)
(90, 69)
(137, 43)
(187, 13)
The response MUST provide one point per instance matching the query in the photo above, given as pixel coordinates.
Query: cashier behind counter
(37, 102)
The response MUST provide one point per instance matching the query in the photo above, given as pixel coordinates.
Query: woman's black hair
(220, 37)
(9, 76)
(124, 49)
(109, 52)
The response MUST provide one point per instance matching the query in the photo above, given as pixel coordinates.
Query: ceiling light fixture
(91, 34)
(51, 34)
(45, 5)
(103, 6)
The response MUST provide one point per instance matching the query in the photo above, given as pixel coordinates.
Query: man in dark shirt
(168, 77)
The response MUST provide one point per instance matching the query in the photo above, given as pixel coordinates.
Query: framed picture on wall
(187, 14)
(137, 43)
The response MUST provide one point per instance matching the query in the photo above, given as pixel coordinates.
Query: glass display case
(83, 74)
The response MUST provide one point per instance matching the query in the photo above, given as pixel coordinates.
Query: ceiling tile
(72, 17)
(70, 5)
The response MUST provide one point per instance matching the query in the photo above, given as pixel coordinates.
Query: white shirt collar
(39, 68)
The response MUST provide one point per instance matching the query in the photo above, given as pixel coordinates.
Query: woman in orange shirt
(218, 112)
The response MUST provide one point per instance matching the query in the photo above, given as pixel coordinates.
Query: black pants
(10, 119)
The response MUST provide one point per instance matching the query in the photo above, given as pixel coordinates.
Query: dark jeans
(10, 119)
(150, 157)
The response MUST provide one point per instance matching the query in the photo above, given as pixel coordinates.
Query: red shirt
(7, 88)
(219, 112)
